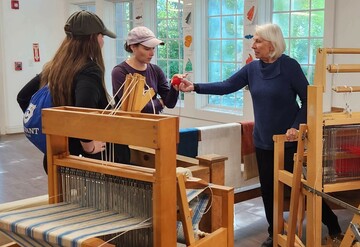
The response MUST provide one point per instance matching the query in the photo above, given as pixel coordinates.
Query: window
(123, 24)
(219, 24)
(225, 47)
(169, 29)
(302, 23)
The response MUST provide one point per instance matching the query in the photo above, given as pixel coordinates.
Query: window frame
(196, 104)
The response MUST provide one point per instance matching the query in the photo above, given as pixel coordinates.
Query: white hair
(272, 32)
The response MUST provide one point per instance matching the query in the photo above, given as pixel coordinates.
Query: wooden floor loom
(80, 187)
(209, 167)
(329, 152)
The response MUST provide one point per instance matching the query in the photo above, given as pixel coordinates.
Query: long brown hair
(71, 57)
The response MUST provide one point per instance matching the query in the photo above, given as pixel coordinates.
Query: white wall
(346, 34)
(37, 21)
(42, 21)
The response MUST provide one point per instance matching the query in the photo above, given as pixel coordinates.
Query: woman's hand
(186, 86)
(93, 147)
(292, 134)
(177, 79)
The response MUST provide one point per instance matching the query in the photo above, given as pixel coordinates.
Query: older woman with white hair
(275, 81)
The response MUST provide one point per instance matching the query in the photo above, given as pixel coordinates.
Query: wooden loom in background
(143, 130)
(322, 143)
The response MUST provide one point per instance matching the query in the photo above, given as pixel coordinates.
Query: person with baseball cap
(141, 43)
(75, 76)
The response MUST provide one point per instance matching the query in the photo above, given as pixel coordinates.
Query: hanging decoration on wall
(188, 40)
(188, 18)
(138, 12)
(188, 66)
(249, 59)
(36, 52)
(250, 9)
(187, 25)
(250, 14)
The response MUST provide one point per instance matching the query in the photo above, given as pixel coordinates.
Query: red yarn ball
(176, 81)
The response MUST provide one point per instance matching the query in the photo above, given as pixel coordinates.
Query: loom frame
(316, 120)
(157, 132)
(136, 97)
(154, 131)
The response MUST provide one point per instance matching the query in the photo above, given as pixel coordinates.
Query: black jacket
(88, 92)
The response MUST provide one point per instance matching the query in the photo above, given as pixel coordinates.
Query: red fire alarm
(15, 4)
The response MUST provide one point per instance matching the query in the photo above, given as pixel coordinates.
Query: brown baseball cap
(86, 23)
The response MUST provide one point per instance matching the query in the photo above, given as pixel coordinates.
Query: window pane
(188, 66)
(225, 46)
(317, 24)
(214, 7)
(300, 24)
(229, 100)
(123, 24)
(228, 69)
(162, 51)
(309, 72)
(306, 30)
(317, 4)
(229, 50)
(125, 9)
(169, 19)
(281, 5)
(282, 19)
(300, 5)
(174, 67)
(240, 7)
(121, 54)
(239, 26)
(173, 49)
(214, 100)
(162, 64)
(181, 52)
(214, 49)
(299, 50)
(239, 99)
(214, 71)
(239, 50)
(314, 45)
(161, 8)
(214, 27)
(173, 29)
(229, 27)
(230, 8)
